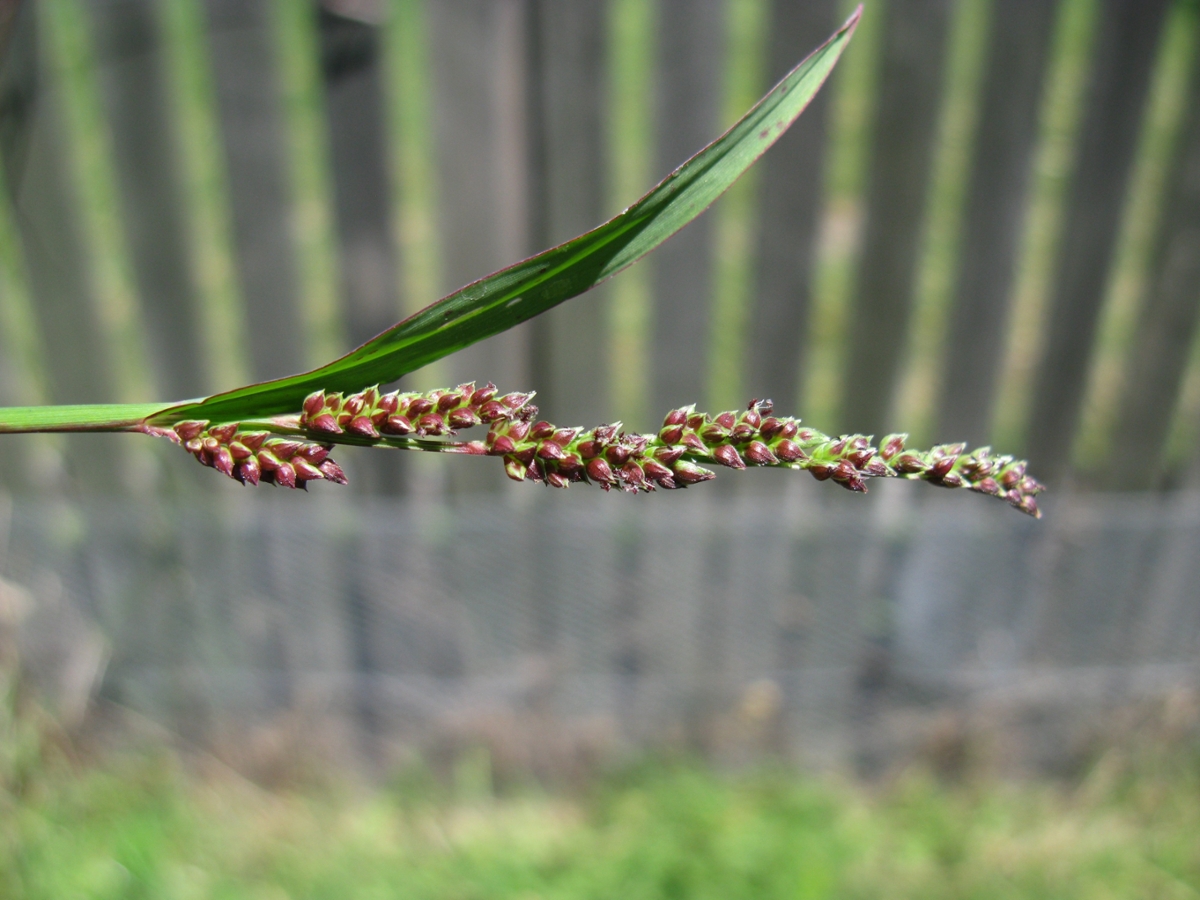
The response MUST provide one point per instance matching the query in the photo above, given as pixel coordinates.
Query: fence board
(132, 75)
(1005, 136)
(567, 79)
(352, 70)
(478, 62)
(905, 128)
(353, 76)
(1165, 334)
(45, 207)
(239, 33)
(789, 196)
(1126, 45)
(690, 64)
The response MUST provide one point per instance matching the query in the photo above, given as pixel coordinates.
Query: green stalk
(93, 417)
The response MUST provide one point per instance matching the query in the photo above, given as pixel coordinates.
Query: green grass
(143, 828)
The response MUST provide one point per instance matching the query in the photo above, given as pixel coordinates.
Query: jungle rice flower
(608, 456)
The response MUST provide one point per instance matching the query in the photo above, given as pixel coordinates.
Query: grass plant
(282, 431)
(143, 827)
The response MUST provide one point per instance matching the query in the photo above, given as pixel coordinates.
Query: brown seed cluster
(948, 465)
(607, 455)
(254, 456)
(370, 414)
(740, 439)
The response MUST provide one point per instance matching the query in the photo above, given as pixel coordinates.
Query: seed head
(564, 436)
(362, 425)
(822, 471)
(431, 424)
(539, 451)
(909, 464)
(668, 455)
(514, 468)
(690, 473)
(285, 475)
(632, 477)
(306, 471)
(599, 470)
(671, 434)
(518, 430)
(617, 454)
(397, 424)
(571, 466)
(483, 395)
(463, 418)
(223, 461)
(325, 423)
(332, 472)
(189, 430)
(314, 403)
(657, 472)
(788, 451)
(892, 444)
(759, 454)
(770, 427)
(388, 404)
(248, 472)
(727, 456)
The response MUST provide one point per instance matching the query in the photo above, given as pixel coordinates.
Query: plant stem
(289, 425)
(94, 417)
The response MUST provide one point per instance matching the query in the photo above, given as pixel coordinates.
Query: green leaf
(511, 296)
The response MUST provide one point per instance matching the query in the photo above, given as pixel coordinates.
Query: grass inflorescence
(292, 450)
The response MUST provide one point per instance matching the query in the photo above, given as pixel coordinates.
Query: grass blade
(508, 297)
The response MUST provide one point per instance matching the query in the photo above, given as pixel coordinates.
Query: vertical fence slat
(39, 179)
(477, 73)
(252, 131)
(789, 195)
(1154, 373)
(568, 58)
(905, 129)
(1122, 61)
(352, 71)
(128, 46)
(44, 205)
(690, 66)
(1018, 49)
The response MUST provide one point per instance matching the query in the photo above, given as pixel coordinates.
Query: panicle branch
(252, 455)
(607, 455)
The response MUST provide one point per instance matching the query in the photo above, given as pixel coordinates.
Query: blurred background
(985, 228)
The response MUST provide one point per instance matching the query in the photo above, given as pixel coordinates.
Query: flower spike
(292, 451)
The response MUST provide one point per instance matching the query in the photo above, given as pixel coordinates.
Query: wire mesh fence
(552, 629)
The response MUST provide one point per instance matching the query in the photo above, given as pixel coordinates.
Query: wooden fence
(987, 227)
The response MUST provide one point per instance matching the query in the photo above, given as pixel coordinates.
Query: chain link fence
(558, 629)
